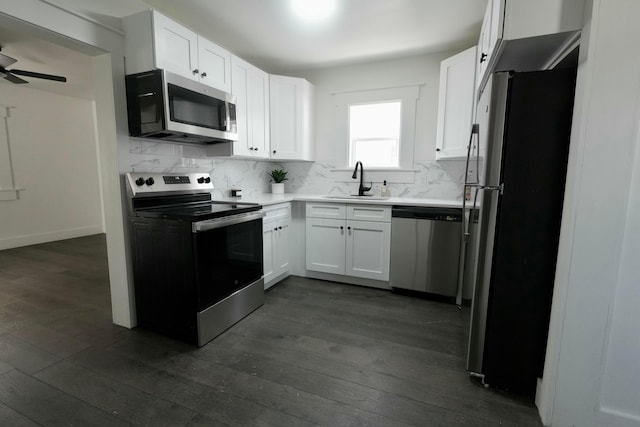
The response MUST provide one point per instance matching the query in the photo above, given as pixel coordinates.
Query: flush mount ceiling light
(313, 10)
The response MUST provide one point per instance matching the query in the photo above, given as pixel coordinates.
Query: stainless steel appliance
(197, 263)
(524, 126)
(425, 243)
(166, 106)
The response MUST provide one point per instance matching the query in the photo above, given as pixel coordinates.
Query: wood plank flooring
(317, 353)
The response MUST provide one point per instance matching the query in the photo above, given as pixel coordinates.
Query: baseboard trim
(50, 236)
(347, 279)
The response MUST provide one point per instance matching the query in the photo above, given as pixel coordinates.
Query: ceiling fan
(12, 75)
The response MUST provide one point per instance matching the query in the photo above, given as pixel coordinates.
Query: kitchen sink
(356, 197)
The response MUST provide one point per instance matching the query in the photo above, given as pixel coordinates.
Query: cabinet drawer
(275, 212)
(369, 213)
(326, 210)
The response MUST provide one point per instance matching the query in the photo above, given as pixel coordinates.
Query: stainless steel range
(197, 263)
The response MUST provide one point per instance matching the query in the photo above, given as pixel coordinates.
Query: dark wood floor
(317, 353)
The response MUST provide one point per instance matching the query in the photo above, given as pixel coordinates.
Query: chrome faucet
(361, 188)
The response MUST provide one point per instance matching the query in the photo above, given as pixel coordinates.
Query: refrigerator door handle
(466, 217)
(498, 188)
(475, 130)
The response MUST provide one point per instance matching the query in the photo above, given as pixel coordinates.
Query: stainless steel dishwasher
(425, 246)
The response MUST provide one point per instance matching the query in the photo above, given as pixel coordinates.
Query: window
(374, 134)
(376, 127)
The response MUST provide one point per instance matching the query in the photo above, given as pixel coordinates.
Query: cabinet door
(281, 248)
(325, 244)
(259, 112)
(285, 106)
(268, 231)
(482, 59)
(368, 248)
(455, 104)
(240, 87)
(497, 26)
(176, 47)
(214, 65)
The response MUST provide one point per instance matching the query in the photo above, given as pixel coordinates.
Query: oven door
(228, 256)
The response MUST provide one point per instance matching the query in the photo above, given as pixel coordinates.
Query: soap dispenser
(384, 190)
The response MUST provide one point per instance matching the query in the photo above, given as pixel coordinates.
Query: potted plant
(278, 176)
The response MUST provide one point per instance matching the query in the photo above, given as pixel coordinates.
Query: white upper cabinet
(488, 39)
(155, 41)
(291, 118)
(455, 104)
(259, 97)
(214, 65)
(510, 38)
(176, 47)
(250, 85)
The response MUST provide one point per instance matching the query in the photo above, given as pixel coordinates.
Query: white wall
(55, 162)
(421, 70)
(591, 375)
(107, 46)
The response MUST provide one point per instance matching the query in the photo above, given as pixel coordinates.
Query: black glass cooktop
(198, 212)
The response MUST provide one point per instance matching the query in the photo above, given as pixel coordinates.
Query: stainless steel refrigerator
(523, 127)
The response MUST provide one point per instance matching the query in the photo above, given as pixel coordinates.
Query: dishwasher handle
(427, 213)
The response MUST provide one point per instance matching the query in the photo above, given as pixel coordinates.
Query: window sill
(378, 175)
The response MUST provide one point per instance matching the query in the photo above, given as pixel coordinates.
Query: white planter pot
(277, 188)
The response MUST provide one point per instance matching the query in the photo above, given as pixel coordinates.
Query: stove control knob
(201, 180)
(140, 182)
(149, 181)
(207, 180)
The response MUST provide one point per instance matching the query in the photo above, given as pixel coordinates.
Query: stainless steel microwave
(165, 106)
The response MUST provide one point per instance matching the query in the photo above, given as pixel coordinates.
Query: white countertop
(268, 199)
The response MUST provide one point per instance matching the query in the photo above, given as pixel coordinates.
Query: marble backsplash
(437, 180)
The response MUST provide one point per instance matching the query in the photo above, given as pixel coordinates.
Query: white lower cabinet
(326, 245)
(276, 229)
(349, 246)
(368, 249)
(268, 230)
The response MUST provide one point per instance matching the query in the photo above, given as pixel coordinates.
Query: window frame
(407, 95)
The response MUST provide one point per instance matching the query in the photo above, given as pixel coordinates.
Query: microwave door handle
(227, 117)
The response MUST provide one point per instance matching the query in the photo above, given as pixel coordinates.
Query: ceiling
(33, 53)
(265, 33)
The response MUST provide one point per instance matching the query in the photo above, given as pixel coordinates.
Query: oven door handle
(199, 227)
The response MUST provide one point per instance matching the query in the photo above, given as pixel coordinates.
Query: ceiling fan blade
(13, 79)
(5, 60)
(38, 75)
